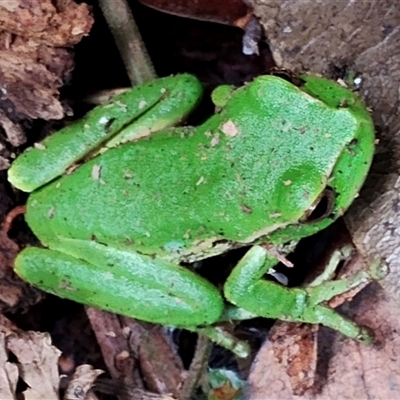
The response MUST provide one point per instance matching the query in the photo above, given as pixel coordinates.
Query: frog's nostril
(321, 208)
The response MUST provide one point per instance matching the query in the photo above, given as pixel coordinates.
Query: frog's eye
(321, 208)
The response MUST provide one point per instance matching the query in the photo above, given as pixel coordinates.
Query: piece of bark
(115, 347)
(133, 350)
(36, 60)
(58, 23)
(295, 348)
(160, 364)
(30, 76)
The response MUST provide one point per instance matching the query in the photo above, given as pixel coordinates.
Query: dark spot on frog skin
(107, 126)
(66, 285)
(351, 151)
(351, 145)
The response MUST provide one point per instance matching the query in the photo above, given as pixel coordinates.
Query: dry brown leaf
(82, 382)
(8, 373)
(37, 364)
(225, 12)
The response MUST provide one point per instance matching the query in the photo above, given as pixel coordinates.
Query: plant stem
(128, 40)
(197, 367)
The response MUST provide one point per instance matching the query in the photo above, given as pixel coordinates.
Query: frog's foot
(378, 269)
(246, 288)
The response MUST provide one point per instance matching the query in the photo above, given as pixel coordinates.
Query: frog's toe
(366, 336)
(378, 270)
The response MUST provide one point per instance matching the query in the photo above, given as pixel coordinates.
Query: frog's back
(252, 168)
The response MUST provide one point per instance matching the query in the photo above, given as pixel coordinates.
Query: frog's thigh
(122, 282)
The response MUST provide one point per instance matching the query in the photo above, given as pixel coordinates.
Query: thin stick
(128, 40)
(197, 367)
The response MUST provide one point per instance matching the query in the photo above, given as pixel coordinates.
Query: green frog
(121, 198)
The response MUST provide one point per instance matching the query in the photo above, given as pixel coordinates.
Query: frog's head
(331, 198)
(328, 193)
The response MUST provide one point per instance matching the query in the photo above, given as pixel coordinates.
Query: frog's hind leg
(138, 112)
(123, 282)
(246, 288)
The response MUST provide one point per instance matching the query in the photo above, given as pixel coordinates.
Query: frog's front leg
(122, 281)
(246, 289)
